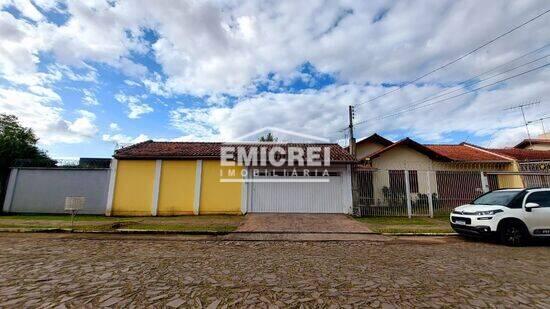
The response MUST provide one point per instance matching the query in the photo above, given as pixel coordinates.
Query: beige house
(542, 142)
(454, 173)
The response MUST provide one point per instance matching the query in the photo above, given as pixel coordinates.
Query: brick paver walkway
(302, 223)
(38, 270)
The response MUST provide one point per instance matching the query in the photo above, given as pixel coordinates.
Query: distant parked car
(514, 215)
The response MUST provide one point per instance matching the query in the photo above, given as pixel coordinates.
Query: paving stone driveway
(48, 270)
(302, 223)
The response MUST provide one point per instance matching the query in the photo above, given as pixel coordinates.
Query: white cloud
(41, 112)
(113, 126)
(219, 49)
(89, 97)
(84, 125)
(324, 113)
(135, 107)
(197, 124)
(157, 86)
(131, 83)
(124, 139)
(27, 9)
(89, 74)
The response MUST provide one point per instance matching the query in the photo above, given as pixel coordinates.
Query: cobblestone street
(40, 270)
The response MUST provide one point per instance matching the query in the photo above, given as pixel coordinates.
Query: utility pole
(521, 106)
(351, 137)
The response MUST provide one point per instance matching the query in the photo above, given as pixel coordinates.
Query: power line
(452, 97)
(470, 91)
(457, 59)
(464, 82)
(447, 92)
(541, 122)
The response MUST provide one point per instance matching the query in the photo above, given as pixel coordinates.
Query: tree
(18, 143)
(268, 138)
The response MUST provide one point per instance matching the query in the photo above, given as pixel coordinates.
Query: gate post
(408, 194)
(430, 198)
(484, 183)
(356, 210)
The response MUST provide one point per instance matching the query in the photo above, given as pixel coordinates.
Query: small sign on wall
(74, 203)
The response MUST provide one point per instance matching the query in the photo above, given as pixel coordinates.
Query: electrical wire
(452, 97)
(447, 92)
(457, 59)
(464, 82)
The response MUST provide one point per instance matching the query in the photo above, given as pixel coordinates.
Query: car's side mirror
(530, 206)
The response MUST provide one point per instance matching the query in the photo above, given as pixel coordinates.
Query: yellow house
(165, 179)
(188, 178)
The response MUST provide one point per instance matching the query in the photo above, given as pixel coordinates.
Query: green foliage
(268, 138)
(19, 143)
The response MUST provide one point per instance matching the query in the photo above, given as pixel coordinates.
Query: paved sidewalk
(302, 223)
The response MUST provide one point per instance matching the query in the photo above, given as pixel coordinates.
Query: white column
(198, 184)
(111, 192)
(10, 190)
(408, 194)
(244, 192)
(484, 183)
(430, 200)
(347, 190)
(156, 188)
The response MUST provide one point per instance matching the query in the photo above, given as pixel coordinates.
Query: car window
(517, 202)
(502, 198)
(541, 198)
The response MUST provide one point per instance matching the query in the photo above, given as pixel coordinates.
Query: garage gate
(333, 196)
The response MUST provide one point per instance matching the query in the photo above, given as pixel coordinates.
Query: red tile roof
(523, 154)
(467, 153)
(206, 150)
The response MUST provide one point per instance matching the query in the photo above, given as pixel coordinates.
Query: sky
(87, 76)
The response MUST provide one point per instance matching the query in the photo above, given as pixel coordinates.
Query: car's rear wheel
(513, 234)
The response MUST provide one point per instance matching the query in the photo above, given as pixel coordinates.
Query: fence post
(484, 183)
(430, 198)
(10, 190)
(111, 192)
(408, 193)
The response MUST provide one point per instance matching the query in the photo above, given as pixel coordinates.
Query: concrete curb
(138, 231)
(204, 232)
(419, 234)
(304, 232)
(117, 231)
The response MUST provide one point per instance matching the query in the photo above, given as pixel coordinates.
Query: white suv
(513, 214)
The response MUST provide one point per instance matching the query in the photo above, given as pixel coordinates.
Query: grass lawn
(217, 223)
(438, 224)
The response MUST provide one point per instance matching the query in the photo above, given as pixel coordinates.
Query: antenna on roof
(521, 106)
(541, 122)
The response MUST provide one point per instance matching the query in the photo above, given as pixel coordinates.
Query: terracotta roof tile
(523, 154)
(209, 150)
(414, 145)
(466, 153)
